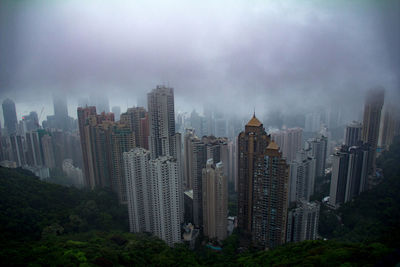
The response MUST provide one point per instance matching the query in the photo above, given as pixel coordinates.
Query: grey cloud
(242, 54)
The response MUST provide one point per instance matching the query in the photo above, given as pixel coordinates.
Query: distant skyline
(272, 55)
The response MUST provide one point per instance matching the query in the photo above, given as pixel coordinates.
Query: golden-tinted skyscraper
(263, 178)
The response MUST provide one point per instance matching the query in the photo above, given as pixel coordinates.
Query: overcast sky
(237, 55)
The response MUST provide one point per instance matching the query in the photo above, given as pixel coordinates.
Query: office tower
(390, 126)
(371, 123)
(302, 177)
(349, 173)
(34, 151)
(117, 112)
(137, 119)
(263, 188)
(196, 122)
(139, 187)
(209, 123)
(215, 201)
(303, 222)
(60, 105)
(312, 122)
(289, 142)
(317, 148)
(30, 122)
(353, 133)
(48, 152)
(10, 116)
(220, 125)
(60, 119)
(161, 121)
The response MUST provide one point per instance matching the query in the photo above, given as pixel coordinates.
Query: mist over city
(184, 133)
(297, 54)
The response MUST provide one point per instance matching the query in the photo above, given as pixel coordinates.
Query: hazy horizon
(286, 56)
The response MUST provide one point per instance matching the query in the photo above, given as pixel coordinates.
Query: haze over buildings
(183, 80)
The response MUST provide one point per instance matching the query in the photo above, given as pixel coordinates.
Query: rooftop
(254, 122)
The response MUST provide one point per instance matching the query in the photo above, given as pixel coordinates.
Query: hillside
(48, 224)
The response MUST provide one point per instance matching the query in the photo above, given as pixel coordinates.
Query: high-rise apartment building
(161, 121)
(349, 173)
(371, 124)
(196, 158)
(122, 140)
(95, 134)
(34, 150)
(302, 177)
(303, 222)
(48, 152)
(10, 116)
(215, 200)
(137, 119)
(289, 142)
(390, 126)
(83, 115)
(154, 195)
(262, 189)
(138, 185)
(317, 148)
(353, 134)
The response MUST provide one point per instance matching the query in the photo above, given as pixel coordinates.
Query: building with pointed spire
(263, 178)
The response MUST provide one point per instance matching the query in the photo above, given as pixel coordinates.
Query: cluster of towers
(354, 163)
(169, 180)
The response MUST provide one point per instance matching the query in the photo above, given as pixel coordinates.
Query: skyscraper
(154, 195)
(349, 173)
(371, 123)
(166, 195)
(137, 119)
(262, 189)
(302, 177)
(353, 133)
(10, 116)
(317, 148)
(196, 158)
(390, 126)
(161, 121)
(60, 105)
(122, 140)
(303, 222)
(83, 115)
(138, 185)
(215, 200)
(289, 141)
(95, 133)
